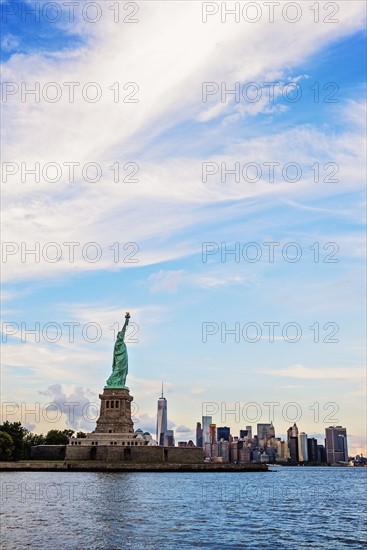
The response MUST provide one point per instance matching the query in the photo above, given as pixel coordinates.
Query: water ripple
(303, 508)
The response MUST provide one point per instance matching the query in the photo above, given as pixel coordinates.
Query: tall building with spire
(161, 419)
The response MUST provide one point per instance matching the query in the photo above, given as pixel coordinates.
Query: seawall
(102, 466)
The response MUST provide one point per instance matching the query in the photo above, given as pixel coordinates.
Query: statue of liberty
(120, 364)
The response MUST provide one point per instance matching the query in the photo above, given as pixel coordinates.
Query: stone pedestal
(115, 415)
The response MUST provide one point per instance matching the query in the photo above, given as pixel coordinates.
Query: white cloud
(146, 423)
(164, 281)
(215, 281)
(170, 93)
(183, 429)
(9, 42)
(80, 407)
(300, 371)
(197, 390)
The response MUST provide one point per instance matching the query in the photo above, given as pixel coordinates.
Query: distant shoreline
(100, 466)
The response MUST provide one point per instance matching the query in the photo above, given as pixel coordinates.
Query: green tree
(17, 432)
(68, 433)
(58, 437)
(81, 434)
(31, 440)
(6, 446)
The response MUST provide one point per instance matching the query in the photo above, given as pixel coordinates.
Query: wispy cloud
(43, 209)
(300, 371)
(164, 281)
(9, 42)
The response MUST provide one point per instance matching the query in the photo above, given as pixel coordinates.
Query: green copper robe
(120, 362)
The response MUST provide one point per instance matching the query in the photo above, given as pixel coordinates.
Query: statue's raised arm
(127, 319)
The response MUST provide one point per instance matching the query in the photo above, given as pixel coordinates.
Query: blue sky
(170, 212)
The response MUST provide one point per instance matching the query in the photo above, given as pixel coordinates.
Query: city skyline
(224, 446)
(205, 429)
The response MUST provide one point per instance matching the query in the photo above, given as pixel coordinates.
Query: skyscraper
(169, 439)
(223, 433)
(336, 444)
(213, 433)
(264, 433)
(302, 447)
(292, 432)
(206, 421)
(271, 430)
(262, 430)
(312, 449)
(321, 453)
(199, 435)
(293, 448)
(161, 419)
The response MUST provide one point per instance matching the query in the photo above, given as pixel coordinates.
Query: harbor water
(285, 508)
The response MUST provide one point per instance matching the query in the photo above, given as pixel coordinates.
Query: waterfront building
(321, 453)
(271, 453)
(282, 451)
(245, 455)
(256, 455)
(312, 449)
(293, 449)
(336, 444)
(206, 421)
(302, 447)
(223, 450)
(199, 435)
(233, 451)
(207, 450)
(213, 433)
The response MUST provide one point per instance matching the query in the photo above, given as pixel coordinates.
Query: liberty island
(115, 444)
